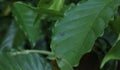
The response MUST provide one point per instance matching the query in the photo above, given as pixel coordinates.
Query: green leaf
(53, 7)
(116, 25)
(42, 11)
(118, 37)
(23, 62)
(113, 54)
(45, 3)
(25, 18)
(57, 5)
(50, 8)
(75, 34)
(14, 38)
(9, 38)
(64, 64)
(19, 39)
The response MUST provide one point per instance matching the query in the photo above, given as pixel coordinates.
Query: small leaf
(49, 12)
(57, 5)
(25, 18)
(116, 25)
(45, 3)
(50, 8)
(75, 34)
(23, 62)
(113, 54)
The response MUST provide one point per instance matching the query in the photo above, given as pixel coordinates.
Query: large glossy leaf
(23, 62)
(25, 18)
(113, 54)
(75, 34)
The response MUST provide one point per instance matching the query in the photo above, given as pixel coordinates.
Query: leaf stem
(33, 51)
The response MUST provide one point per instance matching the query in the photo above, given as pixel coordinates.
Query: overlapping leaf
(51, 4)
(45, 3)
(113, 54)
(75, 34)
(116, 25)
(25, 18)
(14, 38)
(23, 62)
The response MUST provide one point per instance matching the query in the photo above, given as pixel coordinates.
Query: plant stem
(33, 51)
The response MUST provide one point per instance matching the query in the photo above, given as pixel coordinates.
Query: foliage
(57, 34)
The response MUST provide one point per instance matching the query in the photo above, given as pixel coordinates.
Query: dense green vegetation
(59, 34)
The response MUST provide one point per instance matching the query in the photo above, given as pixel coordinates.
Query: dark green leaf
(45, 3)
(113, 54)
(23, 62)
(55, 5)
(49, 12)
(25, 18)
(19, 39)
(14, 38)
(116, 25)
(76, 33)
